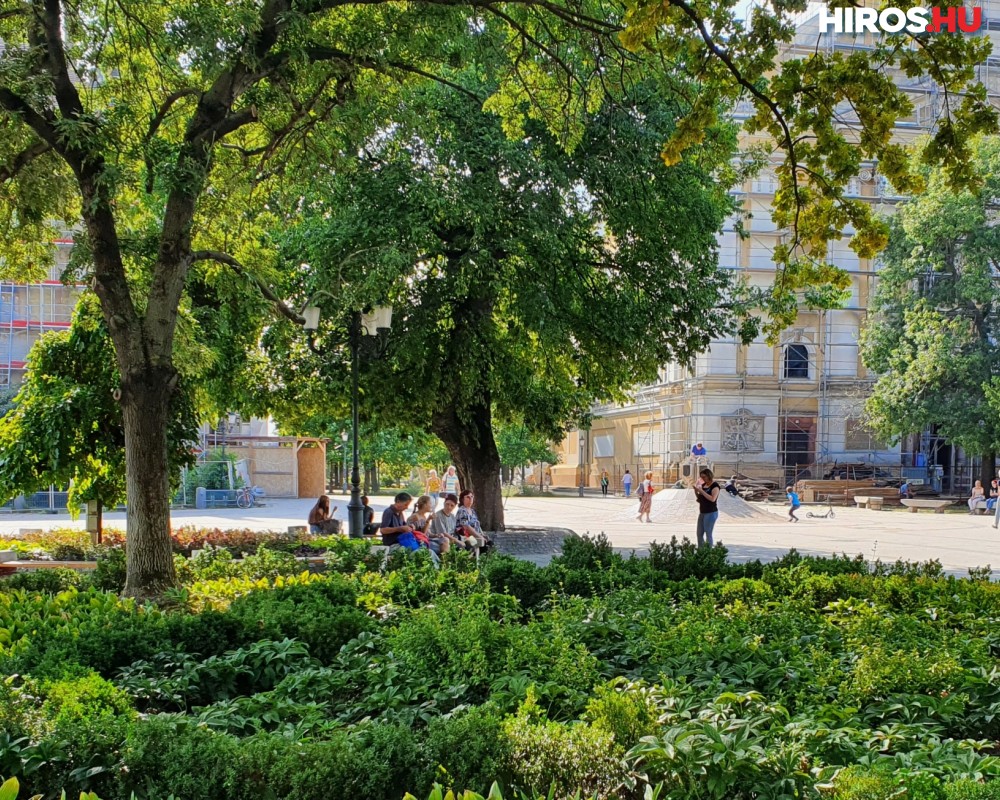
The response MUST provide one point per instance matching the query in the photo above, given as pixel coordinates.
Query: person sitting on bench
(321, 517)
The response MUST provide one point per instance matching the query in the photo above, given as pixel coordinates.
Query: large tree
(172, 132)
(527, 281)
(934, 337)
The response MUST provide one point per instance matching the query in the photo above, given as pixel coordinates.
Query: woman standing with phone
(706, 491)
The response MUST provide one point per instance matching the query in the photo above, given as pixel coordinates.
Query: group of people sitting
(456, 525)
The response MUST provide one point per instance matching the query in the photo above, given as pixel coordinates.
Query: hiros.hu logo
(953, 19)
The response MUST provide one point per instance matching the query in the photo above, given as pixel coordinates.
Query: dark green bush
(323, 615)
(109, 575)
(468, 750)
(42, 580)
(522, 579)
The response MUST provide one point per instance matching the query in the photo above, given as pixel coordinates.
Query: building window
(796, 361)
(858, 438)
(648, 440)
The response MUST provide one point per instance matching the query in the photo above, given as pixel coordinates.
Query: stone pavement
(958, 541)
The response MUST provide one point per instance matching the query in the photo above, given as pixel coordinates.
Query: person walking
(627, 483)
(706, 492)
(793, 503)
(433, 488)
(646, 497)
(450, 483)
(604, 483)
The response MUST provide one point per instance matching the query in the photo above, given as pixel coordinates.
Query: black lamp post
(369, 331)
(344, 436)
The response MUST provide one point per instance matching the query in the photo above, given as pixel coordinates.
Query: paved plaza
(958, 541)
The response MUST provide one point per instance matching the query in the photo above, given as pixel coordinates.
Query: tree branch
(224, 258)
(66, 94)
(22, 159)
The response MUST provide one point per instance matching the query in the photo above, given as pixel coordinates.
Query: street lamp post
(344, 436)
(369, 330)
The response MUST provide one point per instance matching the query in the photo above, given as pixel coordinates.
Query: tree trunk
(146, 413)
(988, 472)
(474, 452)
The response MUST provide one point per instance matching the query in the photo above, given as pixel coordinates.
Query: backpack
(642, 489)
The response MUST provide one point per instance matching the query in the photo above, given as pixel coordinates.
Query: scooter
(828, 515)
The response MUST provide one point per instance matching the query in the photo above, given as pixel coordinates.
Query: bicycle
(246, 497)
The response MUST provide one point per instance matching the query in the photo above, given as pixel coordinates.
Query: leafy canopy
(933, 340)
(525, 279)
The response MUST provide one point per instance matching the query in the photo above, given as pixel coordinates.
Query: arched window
(796, 361)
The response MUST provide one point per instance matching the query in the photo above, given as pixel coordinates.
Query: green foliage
(933, 342)
(561, 760)
(66, 426)
(794, 94)
(321, 615)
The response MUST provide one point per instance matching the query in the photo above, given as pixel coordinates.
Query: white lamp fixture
(311, 316)
(377, 319)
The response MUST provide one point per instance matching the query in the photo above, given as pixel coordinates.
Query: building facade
(27, 310)
(772, 412)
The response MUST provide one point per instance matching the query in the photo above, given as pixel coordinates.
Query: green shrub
(268, 563)
(562, 760)
(468, 750)
(50, 581)
(680, 560)
(628, 711)
(522, 579)
(109, 575)
(321, 614)
(859, 783)
(972, 790)
(587, 553)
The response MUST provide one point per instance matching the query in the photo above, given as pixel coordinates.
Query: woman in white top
(450, 484)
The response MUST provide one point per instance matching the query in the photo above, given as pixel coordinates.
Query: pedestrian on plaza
(905, 493)
(978, 493)
(706, 492)
(434, 488)
(731, 487)
(605, 480)
(627, 483)
(420, 518)
(996, 508)
(646, 497)
(450, 483)
(698, 452)
(793, 503)
(991, 503)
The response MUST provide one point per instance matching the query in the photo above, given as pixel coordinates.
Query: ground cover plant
(674, 676)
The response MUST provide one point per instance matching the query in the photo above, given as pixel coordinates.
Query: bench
(872, 502)
(980, 507)
(915, 505)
